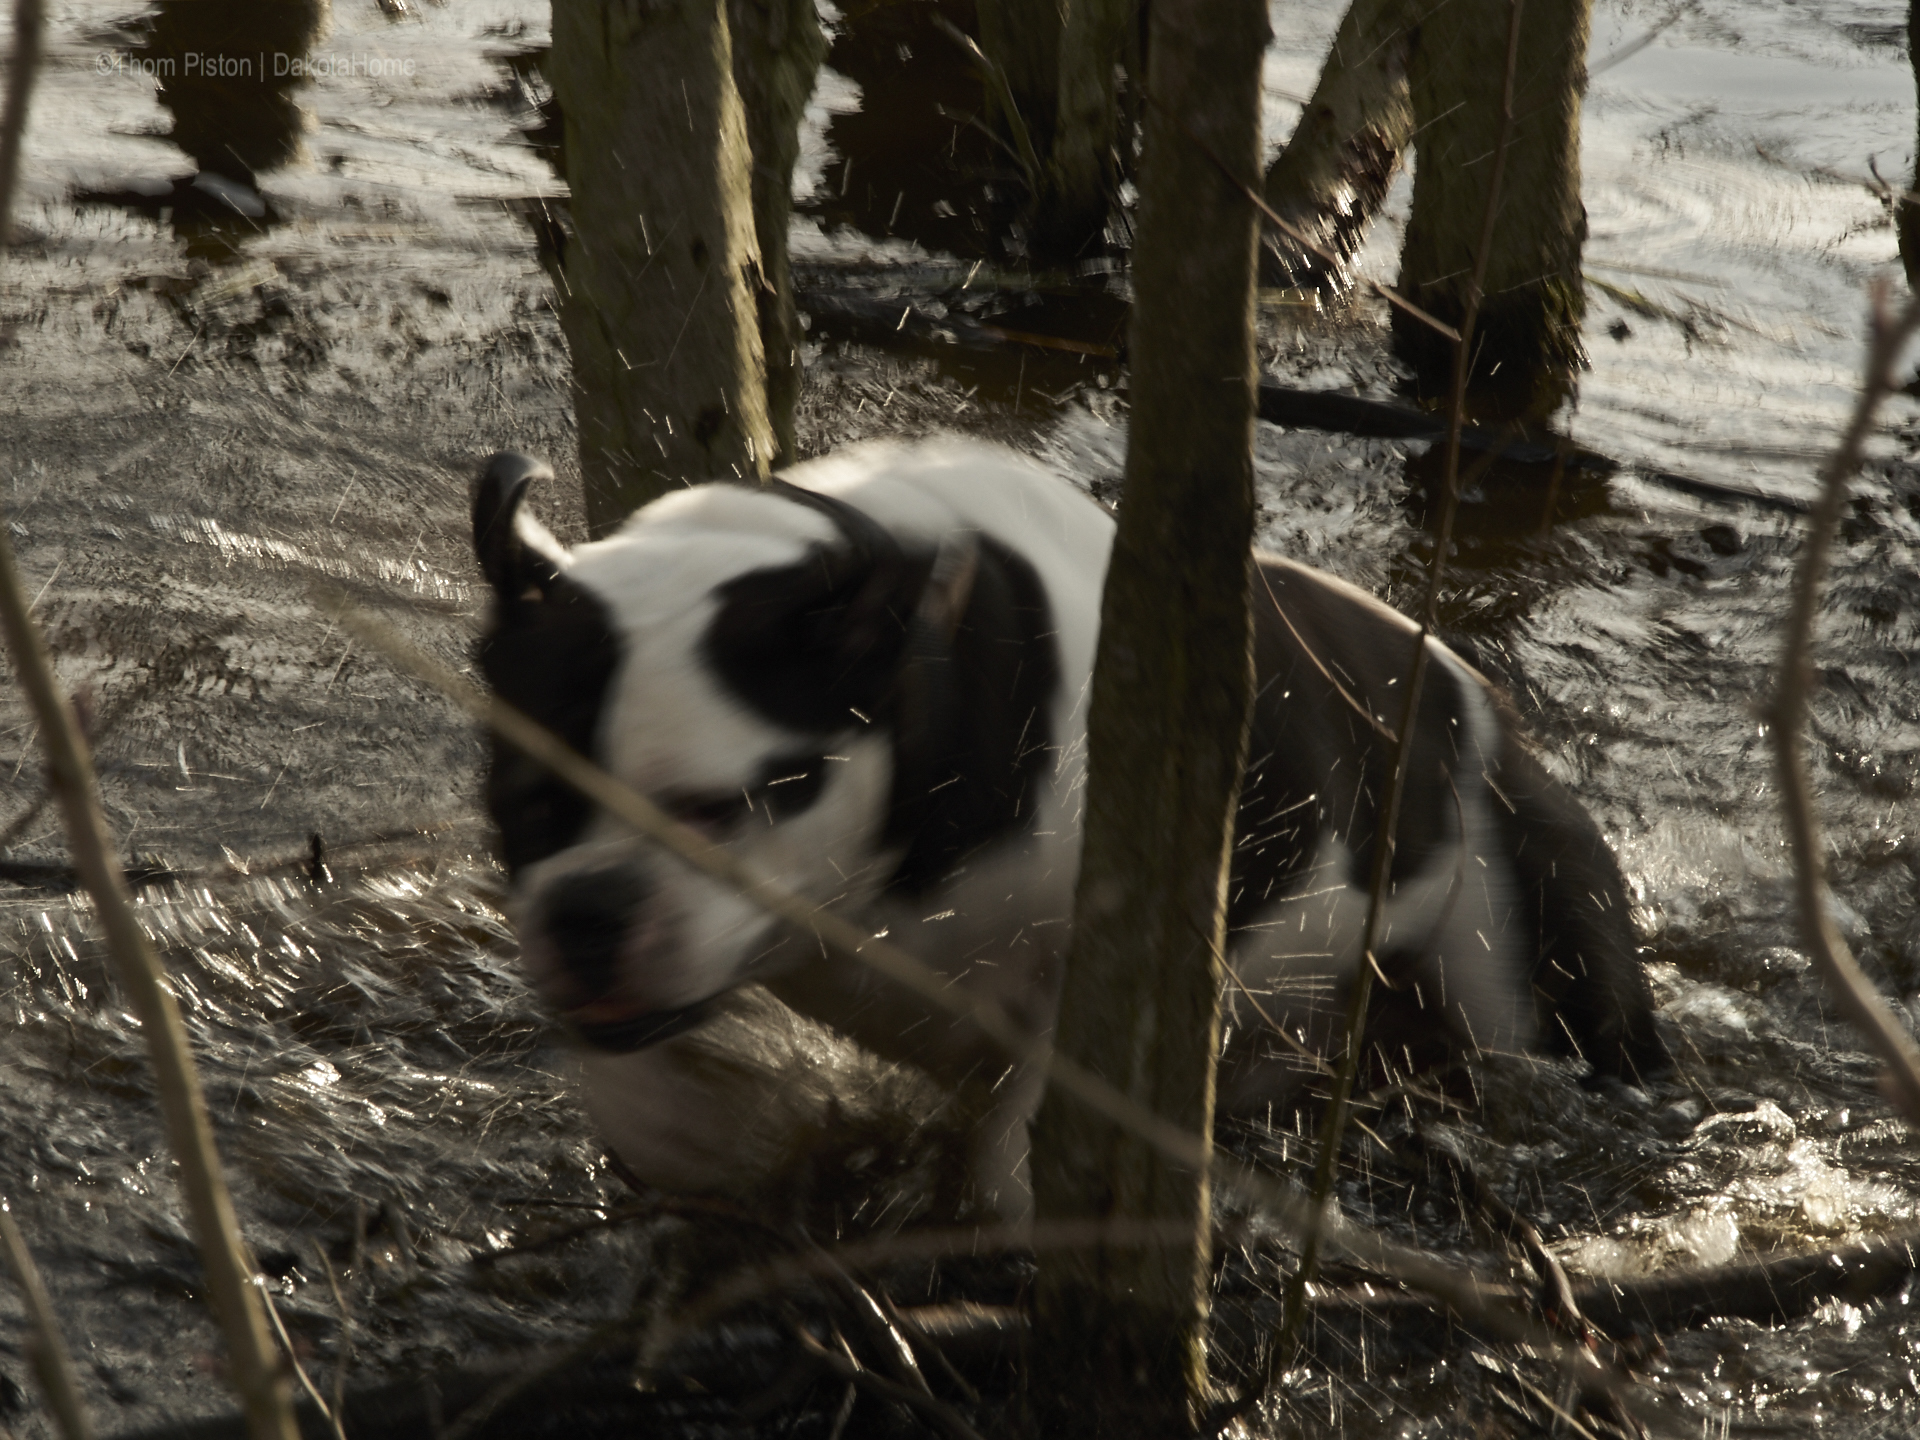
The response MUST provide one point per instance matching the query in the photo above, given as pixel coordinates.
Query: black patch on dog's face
(834, 642)
(786, 786)
(814, 646)
(550, 653)
(554, 662)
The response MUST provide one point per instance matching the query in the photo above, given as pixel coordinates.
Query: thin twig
(1851, 991)
(874, 1321)
(251, 1360)
(1476, 1301)
(1386, 830)
(256, 1374)
(45, 1348)
(300, 1371)
(943, 1416)
(343, 1299)
(996, 77)
(916, 1333)
(46, 1351)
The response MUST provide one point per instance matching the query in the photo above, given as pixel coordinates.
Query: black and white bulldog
(870, 678)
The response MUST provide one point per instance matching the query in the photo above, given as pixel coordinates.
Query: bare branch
(252, 1362)
(1386, 830)
(1851, 991)
(47, 1352)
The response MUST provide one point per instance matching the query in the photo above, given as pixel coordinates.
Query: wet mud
(226, 380)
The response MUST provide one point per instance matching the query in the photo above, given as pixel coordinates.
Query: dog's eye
(786, 786)
(715, 812)
(795, 788)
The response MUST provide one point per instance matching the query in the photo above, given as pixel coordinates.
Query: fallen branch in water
(1852, 993)
(1773, 1291)
(871, 320)
(983, 1340)
(1556, 1298)
(316, 862)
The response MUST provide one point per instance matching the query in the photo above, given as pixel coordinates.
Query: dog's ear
(817, 645)
(518, 555)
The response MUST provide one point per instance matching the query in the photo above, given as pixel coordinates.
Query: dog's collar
(949, 587)
(926, 697)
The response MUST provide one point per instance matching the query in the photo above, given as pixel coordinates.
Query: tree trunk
(1906, 210)
(1122, 1329)
(1084, 161)
(658, 304)
(1527, 346)
(1333, 174)
(777, 50)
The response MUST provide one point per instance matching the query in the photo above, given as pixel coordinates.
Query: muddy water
(216, 394)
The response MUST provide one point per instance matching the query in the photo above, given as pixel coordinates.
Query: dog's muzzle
(587, 920)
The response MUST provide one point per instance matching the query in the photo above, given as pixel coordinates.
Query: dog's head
(771, 667)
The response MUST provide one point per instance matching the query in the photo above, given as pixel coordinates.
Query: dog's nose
(586, 916)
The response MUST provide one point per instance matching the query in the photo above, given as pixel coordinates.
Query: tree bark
(1527, 347)
(1123, 1330)
(1332, 176)
(658, 303)
(777, 50)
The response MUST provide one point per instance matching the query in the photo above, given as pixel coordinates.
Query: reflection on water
(914, 160)
(229, 70)
(228, 73)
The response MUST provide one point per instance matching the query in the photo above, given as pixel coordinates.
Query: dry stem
(254, 1366)
(47, 1352)
(1851, 991)
(941, 1416)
